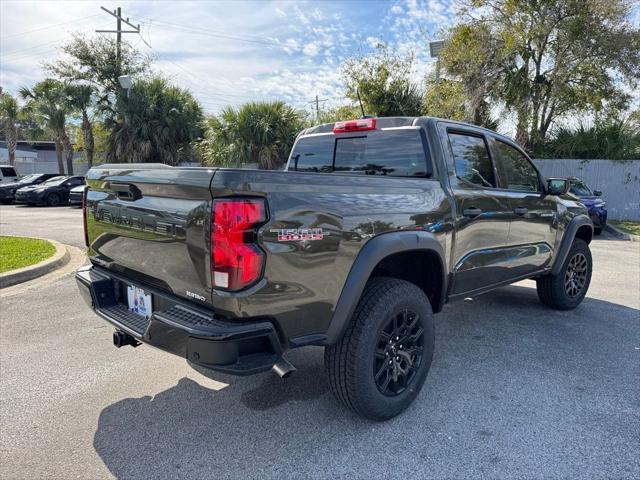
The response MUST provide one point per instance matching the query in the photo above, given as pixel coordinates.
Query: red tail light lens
(355, 125)
(84, 215)
(236, 260)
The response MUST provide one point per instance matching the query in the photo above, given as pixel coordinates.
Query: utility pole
(317, 102)
(118, 31)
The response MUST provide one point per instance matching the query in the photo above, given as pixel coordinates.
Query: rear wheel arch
(390, 255)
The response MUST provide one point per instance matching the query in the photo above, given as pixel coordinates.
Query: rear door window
(472, 160)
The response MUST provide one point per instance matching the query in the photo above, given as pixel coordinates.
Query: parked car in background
(8, 190)
(52, 192)
(592, 200)
(8, 174)
(75, 194)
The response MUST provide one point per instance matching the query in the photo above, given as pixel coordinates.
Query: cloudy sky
(228, 52)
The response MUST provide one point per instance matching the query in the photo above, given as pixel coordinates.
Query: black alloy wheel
(575, 277)
(53, 199)
(398, 353)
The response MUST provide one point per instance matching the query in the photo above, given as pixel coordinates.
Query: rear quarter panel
(303, 279)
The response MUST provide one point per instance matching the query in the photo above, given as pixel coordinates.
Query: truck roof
(391, 122)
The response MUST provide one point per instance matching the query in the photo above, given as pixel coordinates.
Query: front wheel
(379, 366)
(567, 289)
(53, 199)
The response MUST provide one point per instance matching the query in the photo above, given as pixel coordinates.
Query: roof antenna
(360, 102)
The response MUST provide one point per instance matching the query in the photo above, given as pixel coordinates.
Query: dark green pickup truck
(375, 224)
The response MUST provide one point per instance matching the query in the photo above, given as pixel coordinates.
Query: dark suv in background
(52, 192)
(8, 190)
(592, 199)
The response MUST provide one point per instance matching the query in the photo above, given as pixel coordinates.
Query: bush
(613, 139)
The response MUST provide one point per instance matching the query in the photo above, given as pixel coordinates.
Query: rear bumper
(75, 197)
(200, 336)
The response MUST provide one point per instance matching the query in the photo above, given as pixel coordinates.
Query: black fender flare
(567, 240)
(369, 256)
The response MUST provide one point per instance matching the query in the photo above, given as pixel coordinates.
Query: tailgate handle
(126, 191)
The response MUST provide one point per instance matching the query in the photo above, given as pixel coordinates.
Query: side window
(515, 170)
(471, 159)
(8, 172)
(313, 154)
(73, 182)
(398, 153)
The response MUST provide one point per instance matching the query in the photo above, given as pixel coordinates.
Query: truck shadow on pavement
(502, 360)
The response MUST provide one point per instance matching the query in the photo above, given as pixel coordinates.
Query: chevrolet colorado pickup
(374, 225)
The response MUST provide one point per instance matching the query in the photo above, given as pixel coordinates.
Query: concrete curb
(620, 234)
(59, 259)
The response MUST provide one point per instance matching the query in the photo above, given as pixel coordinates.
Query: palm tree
(159, 123)
(48, 102)
(8, 116)
(80, 97)
(258, 132)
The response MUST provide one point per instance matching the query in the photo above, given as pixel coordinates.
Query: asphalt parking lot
(515, 390)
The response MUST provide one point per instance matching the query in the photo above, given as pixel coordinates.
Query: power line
(48, 26)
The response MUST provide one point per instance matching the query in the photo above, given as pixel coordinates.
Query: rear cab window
(8, 172)
(398, 152)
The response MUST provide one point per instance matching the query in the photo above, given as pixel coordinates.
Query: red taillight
(355, 125)
(84, 215)
(236, 260)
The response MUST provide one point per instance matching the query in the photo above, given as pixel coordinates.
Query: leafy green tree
(445, 99)
(9, 112)
(257, 132)
(336, 114)
(80, 97)
(48, 102)
(159, 124)
(94, 60)
(383, 80)
(545, 59)
(100, 135)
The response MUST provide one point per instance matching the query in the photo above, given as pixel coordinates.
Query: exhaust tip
(283, 368)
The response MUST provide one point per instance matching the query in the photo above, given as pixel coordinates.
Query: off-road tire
(6, 201)
(53, 199)
(350, 363)
(552, 289)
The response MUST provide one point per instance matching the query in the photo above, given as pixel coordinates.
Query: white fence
(25, 166)
(618, 180)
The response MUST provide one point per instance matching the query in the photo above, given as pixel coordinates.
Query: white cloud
(311, 49)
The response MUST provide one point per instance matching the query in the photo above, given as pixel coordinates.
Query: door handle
(471, 212)
(520, 210)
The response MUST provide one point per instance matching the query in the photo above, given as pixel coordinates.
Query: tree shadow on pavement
(502, 361)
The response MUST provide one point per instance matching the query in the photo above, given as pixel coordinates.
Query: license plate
(139, 301)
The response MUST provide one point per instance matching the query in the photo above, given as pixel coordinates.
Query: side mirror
(558, 186)
(597, 193)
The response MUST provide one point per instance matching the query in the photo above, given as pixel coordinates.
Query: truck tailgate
(151, 224)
